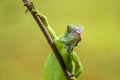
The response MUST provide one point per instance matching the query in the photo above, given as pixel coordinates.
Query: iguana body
(65, 45)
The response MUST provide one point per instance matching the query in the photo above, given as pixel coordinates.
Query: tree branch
(30, 7)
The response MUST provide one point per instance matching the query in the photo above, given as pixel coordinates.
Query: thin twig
(30, 7)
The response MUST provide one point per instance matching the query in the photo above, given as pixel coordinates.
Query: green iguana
(65, 45)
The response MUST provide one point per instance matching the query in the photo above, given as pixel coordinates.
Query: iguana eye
(77, 31)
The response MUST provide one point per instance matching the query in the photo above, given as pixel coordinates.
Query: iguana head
(72, 36)
(74, 33)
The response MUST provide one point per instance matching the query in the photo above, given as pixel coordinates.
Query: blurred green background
(24, 49)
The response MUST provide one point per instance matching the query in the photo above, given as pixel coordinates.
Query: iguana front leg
(45, 22)
(78, 65)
